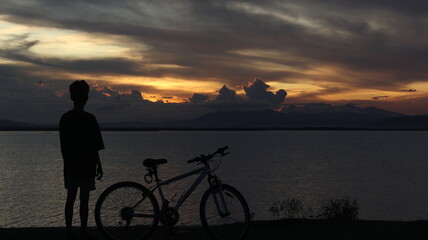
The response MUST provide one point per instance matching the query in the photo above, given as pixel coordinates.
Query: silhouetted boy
(81, 140)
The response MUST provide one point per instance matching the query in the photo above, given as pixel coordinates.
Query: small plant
(308, 213)
(275, 210)
(292, 208)
(340, 209)
(287, 209)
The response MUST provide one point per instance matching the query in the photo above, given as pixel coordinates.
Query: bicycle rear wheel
(127, 210)
(230, 224)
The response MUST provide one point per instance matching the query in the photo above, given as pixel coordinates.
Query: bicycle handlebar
(204, 158)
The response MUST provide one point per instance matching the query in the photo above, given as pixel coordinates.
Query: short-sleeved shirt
(81, 139)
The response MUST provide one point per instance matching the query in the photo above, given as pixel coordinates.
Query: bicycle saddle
(149, 162)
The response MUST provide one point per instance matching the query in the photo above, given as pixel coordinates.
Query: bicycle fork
(219, 200)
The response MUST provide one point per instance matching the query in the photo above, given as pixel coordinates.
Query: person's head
(79, 91)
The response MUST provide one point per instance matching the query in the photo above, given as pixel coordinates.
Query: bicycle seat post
(154, 171)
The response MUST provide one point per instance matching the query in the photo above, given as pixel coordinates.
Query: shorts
(84, 183)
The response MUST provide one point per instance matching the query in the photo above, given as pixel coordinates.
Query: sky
(165, 60)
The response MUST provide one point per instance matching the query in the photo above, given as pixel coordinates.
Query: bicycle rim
(118, 216)
(220, 227)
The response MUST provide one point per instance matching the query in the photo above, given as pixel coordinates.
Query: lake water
(385, 171)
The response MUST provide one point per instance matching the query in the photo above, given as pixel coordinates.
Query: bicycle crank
(169, 216)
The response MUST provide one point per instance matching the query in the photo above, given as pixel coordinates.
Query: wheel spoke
(231, 227)
(143, 215)
(118, 218)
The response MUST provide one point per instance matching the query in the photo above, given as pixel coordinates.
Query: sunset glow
(314, 51)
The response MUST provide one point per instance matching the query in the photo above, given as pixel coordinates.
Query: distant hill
(404, 122)
(128, 125)
(347, 112)
(293, 116)
(326, 115)
(311, 116)
(234, 119)
(12, 125)
(318, 116)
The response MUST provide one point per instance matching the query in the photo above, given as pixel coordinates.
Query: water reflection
(385, 171)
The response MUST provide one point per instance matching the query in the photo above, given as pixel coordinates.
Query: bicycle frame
(203, 171)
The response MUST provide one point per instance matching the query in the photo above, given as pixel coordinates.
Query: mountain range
(312, 116)
(306, 116)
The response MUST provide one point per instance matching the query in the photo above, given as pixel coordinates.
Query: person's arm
(99, 145)
(100, 172)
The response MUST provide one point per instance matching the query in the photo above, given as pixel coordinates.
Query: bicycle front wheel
(127, 210)
(225, 214)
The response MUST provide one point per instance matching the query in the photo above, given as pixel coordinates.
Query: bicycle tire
(226, 229)
(112, 210)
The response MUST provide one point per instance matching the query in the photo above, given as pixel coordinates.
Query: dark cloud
(143, 88)
(115, 105)
(257, 92)
(226, 95)
(110, 106)
(198, 98)
(134, 96)
(380, 37)
(379, 97)
(102, 66)
(17, 48)
(29, 102)
(370, 44)
(38, 103)
(415, 7)
(228, 100)
(408, 90)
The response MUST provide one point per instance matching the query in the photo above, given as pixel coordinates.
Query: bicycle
(128, 210)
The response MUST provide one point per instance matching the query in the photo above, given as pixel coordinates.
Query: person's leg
(84, 208)
(69, 204)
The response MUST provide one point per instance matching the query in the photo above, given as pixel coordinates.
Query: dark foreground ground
(296, 229)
